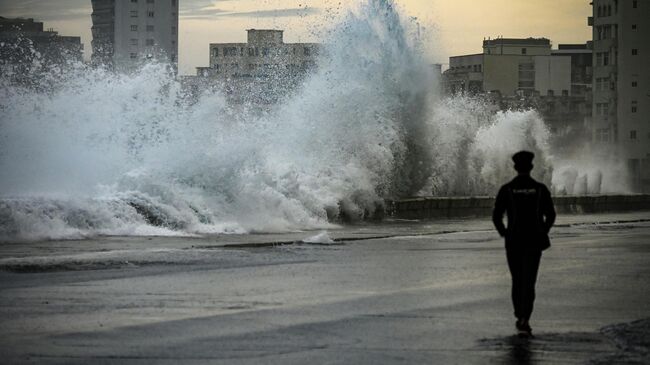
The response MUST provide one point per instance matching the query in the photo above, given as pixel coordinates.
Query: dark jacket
(530, 211)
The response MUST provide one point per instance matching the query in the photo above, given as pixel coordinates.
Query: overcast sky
(458, 26)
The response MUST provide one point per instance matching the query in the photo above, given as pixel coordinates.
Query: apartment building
(27, 50)
(511, 66)
(621, 84)
(127, 33)
(528, 73)
(263, 69)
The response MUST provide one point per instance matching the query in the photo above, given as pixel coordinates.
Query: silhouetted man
(531, 215)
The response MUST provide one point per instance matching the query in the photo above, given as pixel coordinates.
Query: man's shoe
(523, 329)
(519, 324)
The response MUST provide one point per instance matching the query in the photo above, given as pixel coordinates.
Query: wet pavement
(427, 292)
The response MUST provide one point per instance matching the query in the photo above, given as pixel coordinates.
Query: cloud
(46, 9)
(62, 10)
(206, 13)
(202, 9)
(275, 13)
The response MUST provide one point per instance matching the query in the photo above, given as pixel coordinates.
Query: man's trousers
(523, 265)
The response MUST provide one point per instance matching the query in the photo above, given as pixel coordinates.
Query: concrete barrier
(456, 207)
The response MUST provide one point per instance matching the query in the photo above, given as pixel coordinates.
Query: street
(438, 296)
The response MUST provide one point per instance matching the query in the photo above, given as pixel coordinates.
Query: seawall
(456, 207)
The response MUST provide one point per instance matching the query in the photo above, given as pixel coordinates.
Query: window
(134, 42)
(565, 92)
(134, 13)
(602, 58)
(523, 51)
(635, 51)
(173, 57)
(265, 51)
(150, 14)
(602, 135)
(550, 93)
(134, 55)
(173, 2)
(634, 105)
(526, 84)
(633, 26)
(150, 1)
(229, 51)
(215, 51)
(306, 51)
(134, 28)
(634, 4)
(606, 32)
(602, 108)
(632, 134)
(609, 10)
(149, 28)
(173, 30)
(134, 1)
(634, 84)
(149, 42)
(602, 83)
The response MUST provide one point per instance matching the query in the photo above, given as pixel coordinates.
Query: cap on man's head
(523, 160)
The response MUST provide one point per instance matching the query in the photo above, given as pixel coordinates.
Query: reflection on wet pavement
(626, 343)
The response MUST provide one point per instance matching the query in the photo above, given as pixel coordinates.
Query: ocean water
(107, 154)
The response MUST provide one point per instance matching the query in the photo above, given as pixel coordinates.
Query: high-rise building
(127, 33)
(621, 83)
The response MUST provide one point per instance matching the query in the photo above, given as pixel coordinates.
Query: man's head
(523, 161)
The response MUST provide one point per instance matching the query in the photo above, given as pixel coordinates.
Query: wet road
(435, 298)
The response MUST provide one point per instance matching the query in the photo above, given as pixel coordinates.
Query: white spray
(112, 154)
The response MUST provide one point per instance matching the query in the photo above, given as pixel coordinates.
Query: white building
(263, 69)
(523, 73)
(129, 32)
(511, 66)
(621, 83)
(263, 54)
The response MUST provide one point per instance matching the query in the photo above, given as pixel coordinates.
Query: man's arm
(500, 208)
(548, 209)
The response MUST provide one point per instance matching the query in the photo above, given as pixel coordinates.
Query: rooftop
(516, 41)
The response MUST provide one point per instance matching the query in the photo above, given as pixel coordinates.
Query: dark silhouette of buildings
(27, 51)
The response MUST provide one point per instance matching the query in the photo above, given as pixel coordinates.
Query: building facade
(263, 69)
(127, 33)
(528, 73)
(26, 50)
(510, 67)
(621, 83)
